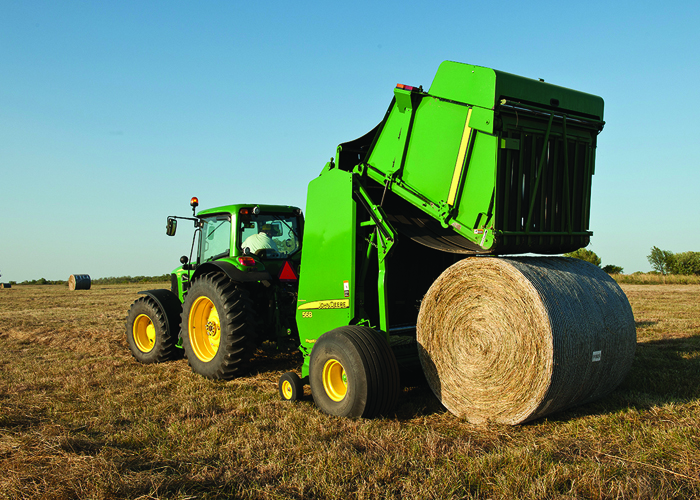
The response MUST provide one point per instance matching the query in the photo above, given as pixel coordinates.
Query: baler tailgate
(545, 165)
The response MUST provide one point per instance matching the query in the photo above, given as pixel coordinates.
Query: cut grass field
(79, 418)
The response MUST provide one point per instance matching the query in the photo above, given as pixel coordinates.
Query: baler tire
(353, 373)
(291, 387)
(218, 332)
(147, 333)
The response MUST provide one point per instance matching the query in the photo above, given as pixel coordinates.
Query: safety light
(194, 202)
(244, 211)
(247, 261)
(405, 87)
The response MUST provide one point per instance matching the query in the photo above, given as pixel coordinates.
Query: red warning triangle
(287, 273)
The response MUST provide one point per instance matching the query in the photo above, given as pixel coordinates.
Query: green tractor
(239, 290)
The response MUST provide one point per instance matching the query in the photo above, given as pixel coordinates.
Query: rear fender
(232, 272)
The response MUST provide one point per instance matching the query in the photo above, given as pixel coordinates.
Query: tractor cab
(246, 242)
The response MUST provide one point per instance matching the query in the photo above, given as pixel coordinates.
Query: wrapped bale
(511, 340)
(79, 282)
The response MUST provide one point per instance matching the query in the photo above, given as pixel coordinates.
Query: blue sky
(113, 114)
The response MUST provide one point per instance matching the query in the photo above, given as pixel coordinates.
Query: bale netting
(510, 340)
(79, 282)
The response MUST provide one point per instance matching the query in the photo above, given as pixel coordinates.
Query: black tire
(291, 387)
(217, 327)
(147, 333)
(361, 360)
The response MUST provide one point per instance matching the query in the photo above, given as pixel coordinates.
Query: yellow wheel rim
(144, 333)
(335, 381)
(204, 329)
(287, 389)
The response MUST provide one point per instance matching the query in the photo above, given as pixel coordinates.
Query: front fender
(170, 305)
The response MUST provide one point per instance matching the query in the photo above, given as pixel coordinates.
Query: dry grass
(80, 419)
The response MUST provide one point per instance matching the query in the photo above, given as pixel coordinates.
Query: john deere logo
(326, 304)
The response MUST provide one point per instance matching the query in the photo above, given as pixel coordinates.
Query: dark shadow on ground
(663, 371)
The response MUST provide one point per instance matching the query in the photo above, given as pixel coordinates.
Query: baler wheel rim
(286, 390)
(335, 380)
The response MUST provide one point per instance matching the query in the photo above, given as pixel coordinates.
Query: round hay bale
(79, 282)
(511, 340)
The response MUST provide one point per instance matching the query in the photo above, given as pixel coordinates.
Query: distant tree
(120, 280)
(686, 263)
(661, 260)
(610, 269)
(586, 255)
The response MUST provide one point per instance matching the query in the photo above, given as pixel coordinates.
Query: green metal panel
(485, 87)
(504, 161)
(430, 163)
(465, 83)
(326, 291)
(388, 149)
(433, 148)
(518, 88)
(475, 202)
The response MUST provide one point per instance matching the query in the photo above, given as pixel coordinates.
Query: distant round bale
(79, 282)
(510, 340)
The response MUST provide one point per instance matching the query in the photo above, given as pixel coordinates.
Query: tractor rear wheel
(147, 333)
(217, 327)
(353, 373)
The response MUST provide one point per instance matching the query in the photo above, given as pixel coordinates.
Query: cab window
(276, 235)
(216, 238)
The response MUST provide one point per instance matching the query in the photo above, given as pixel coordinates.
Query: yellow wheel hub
(144, 333)
(287, 389)
(335, 381)
(204, 329)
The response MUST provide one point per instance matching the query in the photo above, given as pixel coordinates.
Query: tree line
(662, 261)
(112, 280)
(590, 256)
(667, 262)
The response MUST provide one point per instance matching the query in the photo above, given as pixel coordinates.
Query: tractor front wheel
(353, 373)
(218, 333)
(147, 332)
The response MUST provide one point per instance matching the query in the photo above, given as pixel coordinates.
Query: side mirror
(171, 227)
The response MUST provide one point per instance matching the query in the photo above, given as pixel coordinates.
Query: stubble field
(79, 418)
